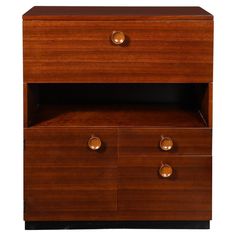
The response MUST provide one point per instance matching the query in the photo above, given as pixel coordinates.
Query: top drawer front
(155, 51)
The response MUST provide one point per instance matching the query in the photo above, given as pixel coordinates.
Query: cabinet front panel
(165, 200)
(69, 147)
(55, 204)
(188, 189)
(63, 175)
(135, 142)
(70, 178)
(153, 51)
(189, 173)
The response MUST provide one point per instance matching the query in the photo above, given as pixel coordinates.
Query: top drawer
(153, 51)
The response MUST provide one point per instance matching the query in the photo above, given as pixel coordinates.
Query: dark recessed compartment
(165, 105)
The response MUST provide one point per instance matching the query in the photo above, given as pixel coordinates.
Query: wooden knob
(165, 170)
(94, 143)
(118, 37)
(166, 143)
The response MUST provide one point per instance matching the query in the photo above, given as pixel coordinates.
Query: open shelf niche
(116, 105)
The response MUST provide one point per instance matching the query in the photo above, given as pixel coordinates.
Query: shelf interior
(115, 105)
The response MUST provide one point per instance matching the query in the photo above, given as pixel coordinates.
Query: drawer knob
(117, 37)
(94, 143)
(165, 170)
(166, 143)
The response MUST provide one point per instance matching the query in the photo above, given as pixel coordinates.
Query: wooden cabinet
(117, 117)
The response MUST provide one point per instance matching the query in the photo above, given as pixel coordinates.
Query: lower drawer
(188, 189)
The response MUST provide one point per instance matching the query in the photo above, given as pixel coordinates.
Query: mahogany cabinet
(117, 117)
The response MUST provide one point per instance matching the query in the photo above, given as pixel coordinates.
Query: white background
(11, 116)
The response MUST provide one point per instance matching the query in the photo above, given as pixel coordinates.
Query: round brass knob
(165, 170)
(166, 143)
(94, 143)
(117, 37)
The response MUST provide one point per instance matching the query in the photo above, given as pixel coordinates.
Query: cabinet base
(37, 225)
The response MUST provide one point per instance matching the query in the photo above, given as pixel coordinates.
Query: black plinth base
(37, 225)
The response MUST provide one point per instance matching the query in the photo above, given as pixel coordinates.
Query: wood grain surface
(81, 51)
(115, 13)
(64, 180)
(164, 200)
(69, 147)
(61, 174)
(117, 116)
(134, 142)
(142, 188)
(65, 215)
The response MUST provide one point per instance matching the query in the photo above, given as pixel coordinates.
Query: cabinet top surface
(116, 13)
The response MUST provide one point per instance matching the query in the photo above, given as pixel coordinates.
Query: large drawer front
(135, 142)
(154, 51)
(62, 176)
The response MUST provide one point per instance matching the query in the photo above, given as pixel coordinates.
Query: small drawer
(144, 188)
(76, 147)
(187, 173)
(135, 142)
